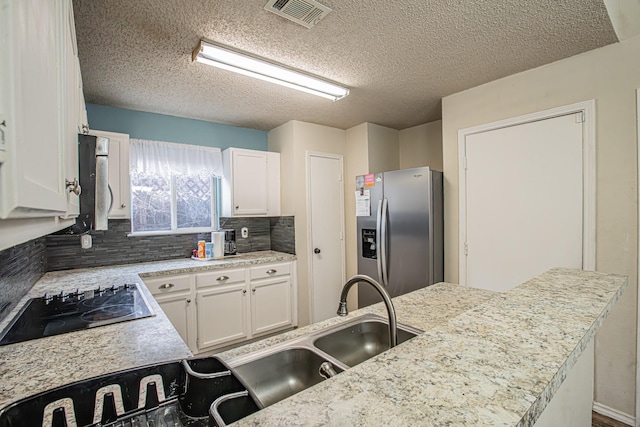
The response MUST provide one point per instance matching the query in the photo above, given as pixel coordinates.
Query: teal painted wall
(160, 127)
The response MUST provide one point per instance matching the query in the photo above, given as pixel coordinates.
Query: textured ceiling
(398, 58)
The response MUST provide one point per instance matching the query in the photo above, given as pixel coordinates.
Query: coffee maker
(229, 241)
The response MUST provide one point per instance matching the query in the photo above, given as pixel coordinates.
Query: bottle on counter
(208, 250)
(201, 249)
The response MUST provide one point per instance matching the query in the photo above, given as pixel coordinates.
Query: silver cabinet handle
(272, 271)
(3, 126)
(73, 186)
(222, 278)
(166, 286)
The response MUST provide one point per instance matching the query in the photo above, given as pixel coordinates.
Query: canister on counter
(208, 250)
(201, 249)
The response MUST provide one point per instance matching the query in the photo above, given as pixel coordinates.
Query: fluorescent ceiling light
(228, 59)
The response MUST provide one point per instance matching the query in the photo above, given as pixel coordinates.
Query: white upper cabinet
(40, 80)
(251, 185)
(118, 173)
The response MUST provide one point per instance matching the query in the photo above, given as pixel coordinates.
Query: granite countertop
(422, 309)
(496, 364)
(485, 358)
(34, 366)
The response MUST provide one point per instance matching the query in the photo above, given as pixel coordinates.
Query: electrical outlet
(244, 232)
(85, 241)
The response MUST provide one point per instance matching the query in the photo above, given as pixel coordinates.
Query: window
(175, 188)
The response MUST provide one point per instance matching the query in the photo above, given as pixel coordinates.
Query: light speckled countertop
(484, 359)
(34, 366)
(497, 364)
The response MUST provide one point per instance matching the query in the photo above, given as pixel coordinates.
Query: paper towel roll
(217, 237)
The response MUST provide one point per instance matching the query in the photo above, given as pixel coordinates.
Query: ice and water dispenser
(369, 248)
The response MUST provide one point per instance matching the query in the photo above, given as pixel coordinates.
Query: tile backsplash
(20, 267)
(23, 265)
(114, 247)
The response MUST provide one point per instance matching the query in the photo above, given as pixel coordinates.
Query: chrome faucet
(342, 308)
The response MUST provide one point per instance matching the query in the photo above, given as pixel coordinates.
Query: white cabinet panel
(251, 185)
(270, 304)
(40, 116)
(176, 306)
(167, 284)
(174, 294)
(222, 315)
(220, 277)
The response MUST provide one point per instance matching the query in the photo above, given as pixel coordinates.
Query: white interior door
(524, 201)
(326, 233)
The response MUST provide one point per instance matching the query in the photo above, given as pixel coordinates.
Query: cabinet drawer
(222, 277)
(270, 270)
(163, 285)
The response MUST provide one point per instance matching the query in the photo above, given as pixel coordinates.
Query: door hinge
(341, 235)
(339, 177)
(464, 162)
(580, 117)
(466, 248)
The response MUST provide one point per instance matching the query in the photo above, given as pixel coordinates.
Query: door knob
(316, 251)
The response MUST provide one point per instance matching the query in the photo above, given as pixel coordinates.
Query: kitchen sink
(282, 370)
(282, 374)
(360, 341)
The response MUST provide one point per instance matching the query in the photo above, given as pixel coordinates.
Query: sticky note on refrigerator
(363, 203)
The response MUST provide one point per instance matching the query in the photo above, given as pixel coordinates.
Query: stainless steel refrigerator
(400, 231)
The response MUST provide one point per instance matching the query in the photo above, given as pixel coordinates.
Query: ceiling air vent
(304, 12)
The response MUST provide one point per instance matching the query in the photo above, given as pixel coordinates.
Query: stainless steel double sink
(280, 371)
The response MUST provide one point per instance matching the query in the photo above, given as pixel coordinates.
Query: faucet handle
(342, 309)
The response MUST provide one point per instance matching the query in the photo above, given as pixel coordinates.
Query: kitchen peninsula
(497, 364)
(484, 358)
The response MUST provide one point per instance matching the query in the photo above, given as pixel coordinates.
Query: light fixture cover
(228, 59)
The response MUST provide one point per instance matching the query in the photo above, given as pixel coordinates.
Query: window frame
(215, 187)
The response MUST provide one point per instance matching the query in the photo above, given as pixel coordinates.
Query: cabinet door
(273, 180)
(118, 173)
(176, 306)
(222, 315)
(33, 173)
(71, 115)
(270, 304)
(5, 75)
(249, 183)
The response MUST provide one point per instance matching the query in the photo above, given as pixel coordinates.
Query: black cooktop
(58, 314)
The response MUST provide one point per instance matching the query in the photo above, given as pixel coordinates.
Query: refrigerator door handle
(378, 241)
(383, 247)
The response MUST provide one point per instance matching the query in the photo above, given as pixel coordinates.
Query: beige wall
(609, 75)
(384, 153)
(421, 146)
(292, 140)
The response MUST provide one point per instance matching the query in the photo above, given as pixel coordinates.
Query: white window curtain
(178, 159)
(174, 187)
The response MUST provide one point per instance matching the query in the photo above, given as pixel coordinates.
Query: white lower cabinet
(271, 307)
(176, 306)
(231, 306)
(174, 295)
(222, 306)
